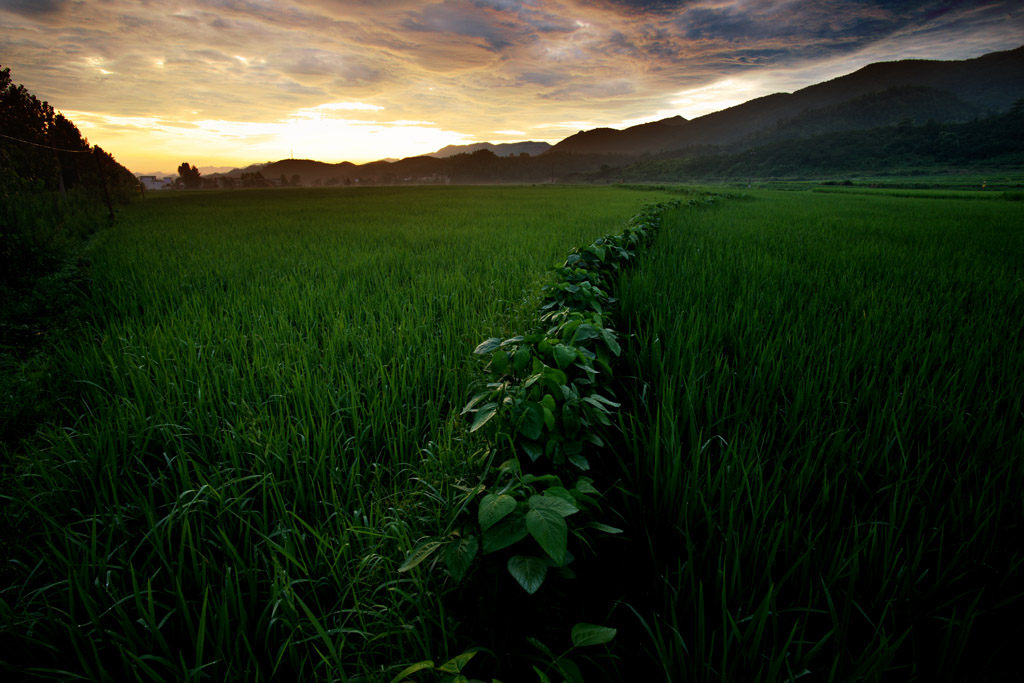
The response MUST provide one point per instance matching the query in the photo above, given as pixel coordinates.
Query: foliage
(189, 176)
(53, 190)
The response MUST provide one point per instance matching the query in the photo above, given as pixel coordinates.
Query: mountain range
(883, 96)
(507, 149)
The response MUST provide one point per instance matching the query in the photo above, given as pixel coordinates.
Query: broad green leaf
(532, 449)
(504, 534)
(559, 378)
(611, 341)
(549, 529)
(521, 359)
(554, 502)
(569, 669)
(569, 559)
(591, 634)
(584, 332)
(409, 670)
(530, 422)
(542, 647)
(459, 555)
(542, 479)
(455, 665)
(474, 401)
(586, 485)
(565, 355)
(419, 553)
(487, 345)
(528, 571)
(529, 381)
(570, 420)
(485, 413)
(602, 399)
(560, 492)
(494, 508)
(549, 418)
(548, 402)
(579, 461)
(499, 362)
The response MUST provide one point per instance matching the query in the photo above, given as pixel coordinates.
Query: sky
(234, 82)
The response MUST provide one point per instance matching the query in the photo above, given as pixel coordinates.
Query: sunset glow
(231, 83)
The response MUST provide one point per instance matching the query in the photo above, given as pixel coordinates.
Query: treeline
(55, 190)
(481, 166)
(54, 187)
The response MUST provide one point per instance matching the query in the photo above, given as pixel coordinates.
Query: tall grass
(258, 417)
(823, 443)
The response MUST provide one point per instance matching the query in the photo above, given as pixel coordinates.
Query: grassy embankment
(254, 436)
(825, 437)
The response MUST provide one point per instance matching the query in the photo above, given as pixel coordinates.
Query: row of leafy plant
(545, 412)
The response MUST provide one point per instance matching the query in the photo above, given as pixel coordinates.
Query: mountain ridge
(987, 81)
(877, 95)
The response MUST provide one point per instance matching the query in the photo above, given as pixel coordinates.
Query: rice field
(270, 378)
(817, 476)
(826, 430)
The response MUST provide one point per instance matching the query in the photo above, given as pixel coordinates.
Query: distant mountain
(926, 112)
(955, 89)
(210, 170)
(982, 145)
(909, 104)
(508, 149)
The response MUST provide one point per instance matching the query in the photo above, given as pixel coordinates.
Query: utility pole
(103, 180)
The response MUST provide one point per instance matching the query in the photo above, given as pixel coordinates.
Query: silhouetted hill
(506, 149)
(908, 104)
(990, 82)
(986, 144)
(645, 137)
(911, 104)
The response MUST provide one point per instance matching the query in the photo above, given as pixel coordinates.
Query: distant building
(151, 182)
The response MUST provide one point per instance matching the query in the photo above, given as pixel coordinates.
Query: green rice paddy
(819, 470)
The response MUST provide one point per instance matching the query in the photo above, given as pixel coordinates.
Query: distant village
(226, 182)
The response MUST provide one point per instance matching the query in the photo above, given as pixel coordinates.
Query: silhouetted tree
(189, 176)
(253, 180)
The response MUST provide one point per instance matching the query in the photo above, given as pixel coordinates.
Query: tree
(189, 176)
(253, 180)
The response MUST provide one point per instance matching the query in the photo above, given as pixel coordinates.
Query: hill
(507, 149)
(883, 101)
(955, 91)
(990, 143)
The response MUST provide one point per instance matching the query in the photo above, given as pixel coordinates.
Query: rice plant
(822, 443)
(263, 420)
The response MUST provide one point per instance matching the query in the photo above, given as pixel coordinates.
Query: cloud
(34, 8)
(544, 68)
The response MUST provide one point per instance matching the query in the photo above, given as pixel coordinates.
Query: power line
(55, 149)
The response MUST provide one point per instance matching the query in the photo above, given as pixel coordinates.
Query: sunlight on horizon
(145, 143)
